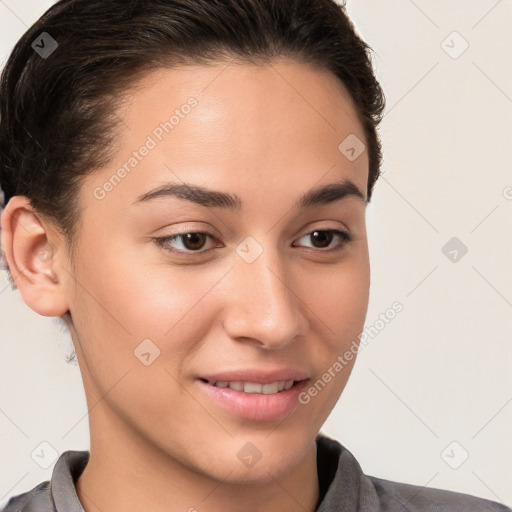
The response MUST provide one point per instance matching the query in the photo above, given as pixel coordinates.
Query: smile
(254, 401)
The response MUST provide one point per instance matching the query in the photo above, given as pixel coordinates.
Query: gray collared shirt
(343, 487)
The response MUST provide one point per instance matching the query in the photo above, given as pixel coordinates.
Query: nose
(262, 305)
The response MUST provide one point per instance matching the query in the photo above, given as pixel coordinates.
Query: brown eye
(322, 238)
(190, 242)
(193, 241)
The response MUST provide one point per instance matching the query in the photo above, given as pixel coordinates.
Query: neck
(127, 473)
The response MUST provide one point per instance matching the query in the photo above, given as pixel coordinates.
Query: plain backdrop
(430, 399)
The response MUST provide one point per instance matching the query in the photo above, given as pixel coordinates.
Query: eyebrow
(318, 196)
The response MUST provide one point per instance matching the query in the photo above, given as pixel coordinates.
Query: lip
(255, 375)
(258, 407)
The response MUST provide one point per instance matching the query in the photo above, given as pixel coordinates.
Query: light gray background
(440, 371)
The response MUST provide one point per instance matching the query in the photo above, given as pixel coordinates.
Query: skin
(268, 134)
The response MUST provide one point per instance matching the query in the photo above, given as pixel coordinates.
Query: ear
(30, 247)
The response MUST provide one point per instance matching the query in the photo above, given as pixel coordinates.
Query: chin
(256, 459)
(262, 473)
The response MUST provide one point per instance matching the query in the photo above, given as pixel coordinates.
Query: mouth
(253, 399)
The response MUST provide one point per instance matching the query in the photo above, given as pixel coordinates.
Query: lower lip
(256, 406)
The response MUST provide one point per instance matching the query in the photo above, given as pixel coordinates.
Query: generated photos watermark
(369, 332)
(152, 140)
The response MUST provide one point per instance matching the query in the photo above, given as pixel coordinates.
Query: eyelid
(310, 228)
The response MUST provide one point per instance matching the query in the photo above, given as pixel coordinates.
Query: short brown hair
(57, 113)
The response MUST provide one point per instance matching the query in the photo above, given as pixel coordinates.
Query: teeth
(254, 387)
(251, 387)
(239, 386)
(268, 389)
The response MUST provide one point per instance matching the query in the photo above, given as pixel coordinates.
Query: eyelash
(163, 241)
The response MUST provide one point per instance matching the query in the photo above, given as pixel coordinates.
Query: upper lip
(256, 375)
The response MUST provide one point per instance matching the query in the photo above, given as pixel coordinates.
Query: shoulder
(344, 486)
(57, 494)
(414, 498)
(37, 499)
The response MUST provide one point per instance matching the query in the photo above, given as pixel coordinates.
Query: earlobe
(31, 255)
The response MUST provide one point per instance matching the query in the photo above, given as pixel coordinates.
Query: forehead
(279, 126)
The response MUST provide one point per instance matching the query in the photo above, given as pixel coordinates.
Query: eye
(324, 237)
(192, 241)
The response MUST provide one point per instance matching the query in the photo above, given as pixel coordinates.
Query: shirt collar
(339, 477)
(68, 468)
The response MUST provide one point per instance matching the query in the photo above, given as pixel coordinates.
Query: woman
(185, 186)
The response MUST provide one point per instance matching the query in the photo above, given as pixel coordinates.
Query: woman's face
(269, 290)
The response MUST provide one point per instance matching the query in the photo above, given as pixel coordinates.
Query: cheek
(127, 313)
(117, 305)
(136, 299)
(338, 297)
(343, 308)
